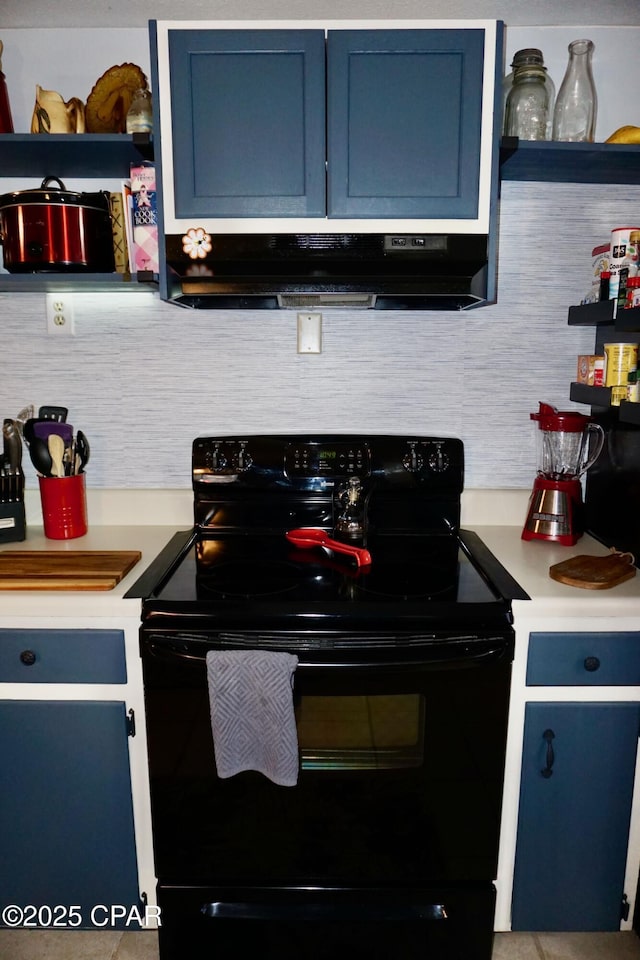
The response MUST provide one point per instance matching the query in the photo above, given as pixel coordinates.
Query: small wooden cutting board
(594, 573)
(61, 570)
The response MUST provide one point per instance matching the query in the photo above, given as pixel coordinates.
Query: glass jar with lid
(527, 108)
(524, 57)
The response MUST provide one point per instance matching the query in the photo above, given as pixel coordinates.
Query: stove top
(269, 569)
(237, 567)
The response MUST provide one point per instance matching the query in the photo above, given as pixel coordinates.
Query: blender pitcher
(563, 455)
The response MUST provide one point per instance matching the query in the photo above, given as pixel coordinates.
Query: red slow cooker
(54, 229)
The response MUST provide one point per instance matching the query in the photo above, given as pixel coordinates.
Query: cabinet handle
(592, 664)
(547, 772)
(28, 657)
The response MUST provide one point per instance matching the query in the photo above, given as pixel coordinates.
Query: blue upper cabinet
(343, 126)
(404, 122)
(248, 122)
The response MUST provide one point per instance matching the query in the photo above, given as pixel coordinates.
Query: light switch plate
(309, 333)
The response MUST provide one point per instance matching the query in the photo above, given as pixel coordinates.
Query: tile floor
(107, 945)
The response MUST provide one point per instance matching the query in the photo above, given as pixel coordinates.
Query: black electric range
(237, 567)
(387, 844)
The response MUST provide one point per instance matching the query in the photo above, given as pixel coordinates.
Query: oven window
(378, 732)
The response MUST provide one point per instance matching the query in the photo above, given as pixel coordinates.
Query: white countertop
(146, 521)
(528, 561)
(149, 540)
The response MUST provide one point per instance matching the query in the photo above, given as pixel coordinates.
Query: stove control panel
(322, 461)
(327, 460)
(222, 459)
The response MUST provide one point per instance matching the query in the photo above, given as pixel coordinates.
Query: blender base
(555, 512)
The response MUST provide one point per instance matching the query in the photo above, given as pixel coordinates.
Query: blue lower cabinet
(575, 806)
(67, 843)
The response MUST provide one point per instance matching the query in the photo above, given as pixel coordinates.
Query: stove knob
(438, 460)
(245, 460)
(412, 461)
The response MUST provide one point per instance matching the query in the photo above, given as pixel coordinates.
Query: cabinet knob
(592, 664)
(28, 657)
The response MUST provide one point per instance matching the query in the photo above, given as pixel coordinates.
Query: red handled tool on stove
(307, 537)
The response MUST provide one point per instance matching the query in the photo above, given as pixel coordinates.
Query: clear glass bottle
(527, 109)
(529, 55)
(574, 117)
(139, 115)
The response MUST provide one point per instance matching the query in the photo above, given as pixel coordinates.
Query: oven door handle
(330, 911)
(465, 653)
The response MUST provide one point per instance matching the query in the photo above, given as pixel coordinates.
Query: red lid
(550, 418)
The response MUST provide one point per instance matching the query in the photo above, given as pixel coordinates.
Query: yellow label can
(620, 359)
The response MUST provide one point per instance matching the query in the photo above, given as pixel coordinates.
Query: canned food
(624, 256)
(620, 359)
(617, 395)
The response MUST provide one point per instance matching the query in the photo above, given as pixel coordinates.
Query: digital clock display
(308, 461)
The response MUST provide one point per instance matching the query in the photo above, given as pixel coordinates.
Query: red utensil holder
(64, 506)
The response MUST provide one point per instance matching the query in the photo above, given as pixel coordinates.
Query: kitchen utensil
(11, 475)
(68, 570)
(595, 573)
(47, 428)
(307, 537)
(28, 429)
(53, 413)
(82, 452)
(563, 454)
(56, 449)
(27, 413)
(12, 445)
(40, 456)
(53, 229)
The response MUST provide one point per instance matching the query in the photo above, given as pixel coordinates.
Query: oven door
(395, 814)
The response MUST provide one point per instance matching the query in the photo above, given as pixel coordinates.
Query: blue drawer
(583, 659)
(62, 656)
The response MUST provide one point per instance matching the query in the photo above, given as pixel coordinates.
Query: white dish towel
(252, 717)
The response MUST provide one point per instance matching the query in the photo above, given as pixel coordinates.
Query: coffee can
(620, 359)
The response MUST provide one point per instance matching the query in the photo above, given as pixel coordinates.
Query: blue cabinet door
(66, 817)
(248, 119)
(263, 119)
(575, 806)
(404, 122)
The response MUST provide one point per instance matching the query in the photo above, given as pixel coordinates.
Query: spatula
(56, 449)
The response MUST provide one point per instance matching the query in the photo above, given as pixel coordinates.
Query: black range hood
(396, 271)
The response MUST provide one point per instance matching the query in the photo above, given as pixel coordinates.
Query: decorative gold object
(111, 96)
(52, 114)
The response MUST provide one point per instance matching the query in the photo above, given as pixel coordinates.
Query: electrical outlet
(59, 311)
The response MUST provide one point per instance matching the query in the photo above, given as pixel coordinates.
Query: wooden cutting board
(594, 573)
(61, 570)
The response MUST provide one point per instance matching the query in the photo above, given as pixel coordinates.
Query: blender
(563, 455)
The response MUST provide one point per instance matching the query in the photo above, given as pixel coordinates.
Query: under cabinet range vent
(352, 301)
(348, 271)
